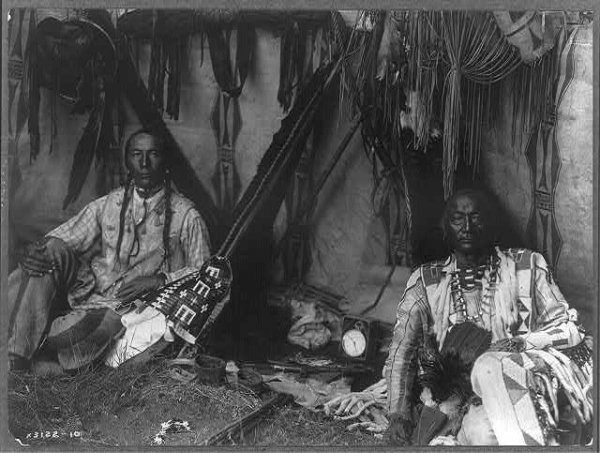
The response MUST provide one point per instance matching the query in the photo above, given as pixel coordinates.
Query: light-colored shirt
(93, 234)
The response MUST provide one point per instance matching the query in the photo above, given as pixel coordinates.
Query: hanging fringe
(288, 72)
(378, 95)
(33, 122)
(86, 148)
(174, 51)
(230, 80)
(156, 77)
(108, 151)
(574, 383)
(473, 53)
(531, 88)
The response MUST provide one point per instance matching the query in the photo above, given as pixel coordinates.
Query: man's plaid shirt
(93, 233)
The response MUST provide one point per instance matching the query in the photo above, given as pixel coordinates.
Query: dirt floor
(125, 407)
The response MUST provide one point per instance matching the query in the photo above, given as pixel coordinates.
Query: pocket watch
(357, 338)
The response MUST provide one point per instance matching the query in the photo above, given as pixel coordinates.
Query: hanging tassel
(246, 39)
(218, 47)
(156, 75)
(287, 58)
(86, 148)
(174, 51)
(159, 98)
(384, 54)
(231, 81)
(108, 151)
(452, 113)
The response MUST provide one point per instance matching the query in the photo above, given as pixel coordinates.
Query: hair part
(158, 139)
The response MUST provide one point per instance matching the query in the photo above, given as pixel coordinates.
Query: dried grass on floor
(293, 425)
(120, 407)
(125, 407)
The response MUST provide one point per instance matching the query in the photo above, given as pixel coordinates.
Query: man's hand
(36, 260)
(139, 286)
(514, 344)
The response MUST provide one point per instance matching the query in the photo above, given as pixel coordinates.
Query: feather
(447, 373)
(86, 149)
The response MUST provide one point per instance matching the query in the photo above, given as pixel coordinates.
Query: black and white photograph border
(299, 224)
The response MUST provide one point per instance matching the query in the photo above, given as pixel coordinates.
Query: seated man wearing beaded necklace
(119, 247)
(527, 357)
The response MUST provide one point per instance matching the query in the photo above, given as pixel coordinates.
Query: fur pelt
(447, 373)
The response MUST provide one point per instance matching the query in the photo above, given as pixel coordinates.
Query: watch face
(354, 343)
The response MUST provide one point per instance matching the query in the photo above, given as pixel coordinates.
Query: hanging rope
(474, 55)
(379, 100)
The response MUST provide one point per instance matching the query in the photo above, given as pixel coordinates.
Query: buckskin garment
(523, 303)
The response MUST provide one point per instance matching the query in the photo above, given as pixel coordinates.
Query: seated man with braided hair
(494, 322)
(120, 246)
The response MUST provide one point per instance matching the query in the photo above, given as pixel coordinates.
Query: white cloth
(142, 331)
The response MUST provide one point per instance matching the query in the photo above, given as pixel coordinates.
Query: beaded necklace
(470, 278)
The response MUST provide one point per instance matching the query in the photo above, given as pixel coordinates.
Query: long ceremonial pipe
(250, 210)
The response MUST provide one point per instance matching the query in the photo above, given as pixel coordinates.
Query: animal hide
(534, 34)
(447, 373)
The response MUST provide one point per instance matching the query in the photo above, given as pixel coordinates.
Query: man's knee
(63, 258)
(485, 367)
(57, 247)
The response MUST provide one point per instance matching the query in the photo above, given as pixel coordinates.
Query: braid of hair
(167, 224)
(126, 197)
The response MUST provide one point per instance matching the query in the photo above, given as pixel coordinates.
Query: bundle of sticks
(367, 409)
